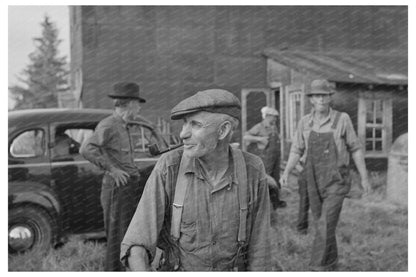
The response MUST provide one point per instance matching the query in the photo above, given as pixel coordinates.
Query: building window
(375, 125)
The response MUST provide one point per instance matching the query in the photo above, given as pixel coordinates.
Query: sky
(23, 26)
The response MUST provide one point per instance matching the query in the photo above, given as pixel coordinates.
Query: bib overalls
(327, 187)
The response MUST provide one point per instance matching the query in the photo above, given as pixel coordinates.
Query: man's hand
(264, 140)
(271, 182)
(283, 180)
(119, 176)
(365, 184)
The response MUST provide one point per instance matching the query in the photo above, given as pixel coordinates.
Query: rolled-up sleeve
(260, 243)
(93, 148)
(298, 141)
(147, 221)
(351, 140)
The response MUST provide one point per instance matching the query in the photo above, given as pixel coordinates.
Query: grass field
(372, 235)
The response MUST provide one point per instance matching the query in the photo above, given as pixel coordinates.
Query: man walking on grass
(328, 138)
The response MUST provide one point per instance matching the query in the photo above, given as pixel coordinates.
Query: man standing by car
(111, 149)
(208, 203)
(263, 141)
(328, 138)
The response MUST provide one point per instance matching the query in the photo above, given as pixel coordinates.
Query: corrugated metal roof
(350, 66)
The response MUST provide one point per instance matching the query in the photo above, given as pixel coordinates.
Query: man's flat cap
(126, 90)
(211, 100)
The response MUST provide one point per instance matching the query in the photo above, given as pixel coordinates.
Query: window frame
(142, 136)
(270, 100)
(294, 92)
(385, 126)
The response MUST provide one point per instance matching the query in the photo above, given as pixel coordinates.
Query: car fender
(34, 193)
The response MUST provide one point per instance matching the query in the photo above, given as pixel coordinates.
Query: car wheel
(30, 228)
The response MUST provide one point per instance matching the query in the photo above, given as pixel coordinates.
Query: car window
(68, 141)
(28, 144)
(142, 138)
(79, 135)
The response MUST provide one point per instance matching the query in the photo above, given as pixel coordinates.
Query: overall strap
(241, 174)
(337, 116)
(177, 206)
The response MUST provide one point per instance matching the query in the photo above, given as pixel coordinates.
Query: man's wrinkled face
(199, 134)
(321, 102)
(133, 108)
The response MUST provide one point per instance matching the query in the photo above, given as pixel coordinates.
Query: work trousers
(119, 205)
(271, 160)
(327, 187)
(302, 223)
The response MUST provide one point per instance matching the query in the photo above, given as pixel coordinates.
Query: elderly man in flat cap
(328, 138)
(263, 140)
(110, 148)
(206, 205)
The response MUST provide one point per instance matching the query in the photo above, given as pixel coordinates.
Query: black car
(53, 191)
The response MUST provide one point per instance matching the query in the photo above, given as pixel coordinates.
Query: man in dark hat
(207, 203)
(110, 148)
(327, 137)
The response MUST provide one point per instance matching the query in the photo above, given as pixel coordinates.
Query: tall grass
(75, 255)
(372, 236)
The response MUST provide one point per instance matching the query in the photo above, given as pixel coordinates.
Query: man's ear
(224, 130)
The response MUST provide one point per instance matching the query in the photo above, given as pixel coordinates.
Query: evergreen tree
(46, 74)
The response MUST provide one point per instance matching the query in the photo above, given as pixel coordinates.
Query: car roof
(45, 116)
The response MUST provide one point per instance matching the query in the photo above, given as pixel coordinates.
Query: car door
(77, 181)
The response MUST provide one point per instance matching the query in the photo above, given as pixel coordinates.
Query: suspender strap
(182, 184)
(337, 116)
(240, 172)
(177, 206)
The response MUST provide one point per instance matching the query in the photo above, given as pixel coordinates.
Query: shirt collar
(120, 120)
(330, 117)
(192, 165)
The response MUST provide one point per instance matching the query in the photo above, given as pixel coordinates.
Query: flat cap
(320, 86)
(269, 111)
(211, 100)
(126, 90)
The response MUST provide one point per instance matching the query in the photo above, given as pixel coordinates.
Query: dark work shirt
(210, 219)
(111, 146)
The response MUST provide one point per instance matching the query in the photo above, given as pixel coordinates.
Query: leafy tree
(46, 74)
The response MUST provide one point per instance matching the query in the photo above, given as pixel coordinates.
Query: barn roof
(350, 66)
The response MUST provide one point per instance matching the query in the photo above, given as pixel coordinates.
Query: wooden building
(371, 87)
(175, 51)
